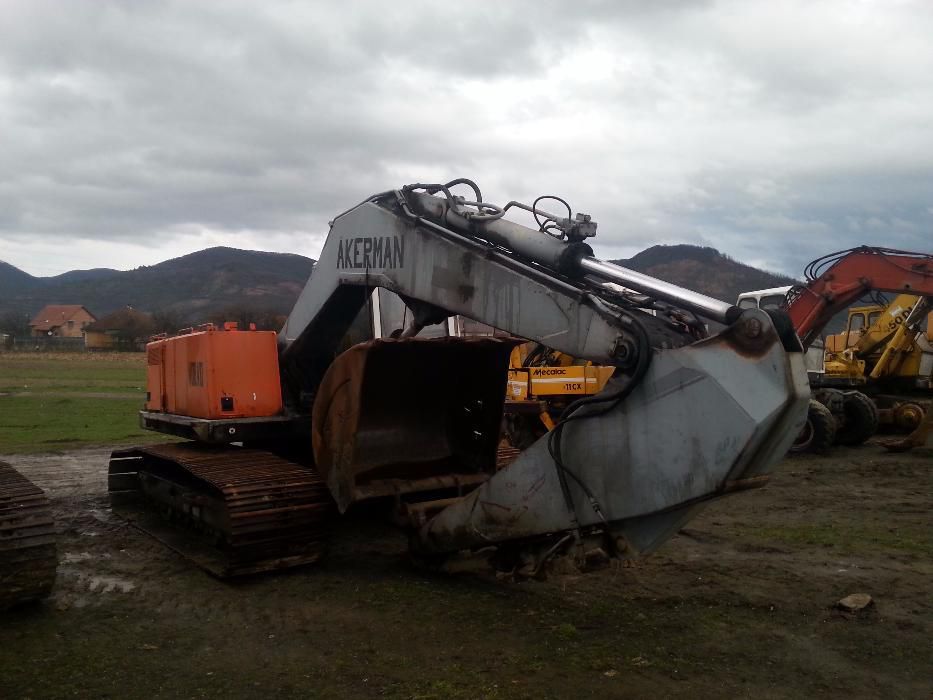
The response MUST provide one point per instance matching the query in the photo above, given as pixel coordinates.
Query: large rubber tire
(860, 419)
(818, 433)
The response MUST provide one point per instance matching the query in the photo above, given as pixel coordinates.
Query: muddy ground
(739, 604)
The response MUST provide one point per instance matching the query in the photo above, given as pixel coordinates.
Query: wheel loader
(365, 397)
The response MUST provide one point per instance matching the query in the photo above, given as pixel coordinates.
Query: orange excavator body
(212, 373)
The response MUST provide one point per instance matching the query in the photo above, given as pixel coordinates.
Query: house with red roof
(124, 329)
(61, 321)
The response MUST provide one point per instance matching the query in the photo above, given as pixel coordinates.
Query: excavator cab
(860, 320)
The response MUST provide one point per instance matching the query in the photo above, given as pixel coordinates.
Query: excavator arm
(836, 281)
(685, 419)
(446, 260)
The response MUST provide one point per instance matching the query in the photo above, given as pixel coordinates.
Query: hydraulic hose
(610, 401)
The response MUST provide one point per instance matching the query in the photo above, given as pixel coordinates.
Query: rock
(855, 602)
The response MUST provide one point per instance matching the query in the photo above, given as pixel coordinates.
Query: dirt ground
(740, 604)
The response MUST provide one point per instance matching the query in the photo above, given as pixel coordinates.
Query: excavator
(883, 373)
(346, 406)
(886, 350)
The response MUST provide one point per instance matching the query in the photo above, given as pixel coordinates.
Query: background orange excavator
(872, 358)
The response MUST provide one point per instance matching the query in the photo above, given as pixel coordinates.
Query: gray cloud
(132, 132)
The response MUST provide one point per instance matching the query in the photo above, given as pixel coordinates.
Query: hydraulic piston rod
(692, 301)
(572, 258)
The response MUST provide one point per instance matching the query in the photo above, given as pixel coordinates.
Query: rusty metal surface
(400, 416)
(255, 511)
(28, 558)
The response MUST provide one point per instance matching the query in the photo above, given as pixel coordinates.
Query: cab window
(748, 303)
(772, 301)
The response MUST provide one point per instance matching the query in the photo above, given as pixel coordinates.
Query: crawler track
(249, 510)
(28, 557)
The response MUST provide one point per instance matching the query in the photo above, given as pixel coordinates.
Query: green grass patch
(50, 407)
(848, 539)
(78, 369)
(51, 386)
(46, 423)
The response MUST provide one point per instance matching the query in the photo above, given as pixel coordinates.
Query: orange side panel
(216, 374)
(155, 372)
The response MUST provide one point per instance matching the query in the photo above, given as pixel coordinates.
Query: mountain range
(703, 269)
(191, 288)
(195, 287)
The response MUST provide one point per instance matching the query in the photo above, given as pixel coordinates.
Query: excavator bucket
(400, 417)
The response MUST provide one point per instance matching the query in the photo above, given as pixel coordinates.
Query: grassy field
(60, 401)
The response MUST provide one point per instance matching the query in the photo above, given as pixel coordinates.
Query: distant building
(61, 321)
(124, 329)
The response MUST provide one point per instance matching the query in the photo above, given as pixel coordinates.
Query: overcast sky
(133, 132)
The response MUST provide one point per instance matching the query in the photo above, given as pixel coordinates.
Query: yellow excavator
(887, 351)
(887, 341)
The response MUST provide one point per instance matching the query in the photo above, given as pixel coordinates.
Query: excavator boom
(835, 281)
